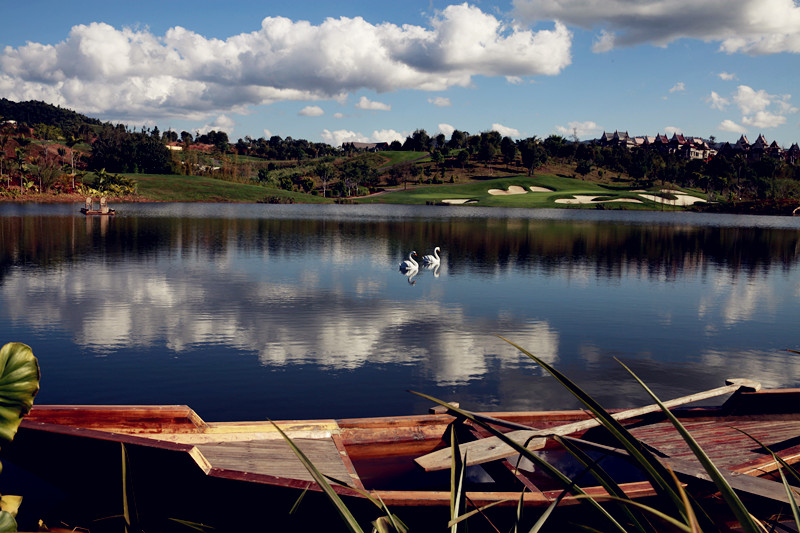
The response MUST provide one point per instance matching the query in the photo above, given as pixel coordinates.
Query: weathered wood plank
(693, 469)
(276, 458)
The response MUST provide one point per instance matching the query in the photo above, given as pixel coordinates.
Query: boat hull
(182, 466)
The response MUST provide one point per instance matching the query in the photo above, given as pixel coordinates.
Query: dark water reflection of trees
(610, 250)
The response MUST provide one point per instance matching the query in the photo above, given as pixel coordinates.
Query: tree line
(332, 170)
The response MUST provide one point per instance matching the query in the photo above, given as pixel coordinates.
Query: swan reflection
(434, 268)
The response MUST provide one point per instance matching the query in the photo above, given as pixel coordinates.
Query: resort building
(698, 148)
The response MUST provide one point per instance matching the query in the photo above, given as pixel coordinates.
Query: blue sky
(373, 71)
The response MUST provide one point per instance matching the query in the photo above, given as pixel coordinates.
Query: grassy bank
(549, 191)
(174, 188)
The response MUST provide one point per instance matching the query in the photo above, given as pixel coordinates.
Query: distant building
(617, 138)
(698, 148)
(367, 147)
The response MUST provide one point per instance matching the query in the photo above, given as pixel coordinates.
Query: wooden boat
(103, 209)
(193, 464)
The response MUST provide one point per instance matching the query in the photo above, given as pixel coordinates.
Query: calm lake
(248, 312)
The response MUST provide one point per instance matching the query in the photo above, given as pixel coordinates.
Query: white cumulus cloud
(727, 76)
(604, 42)
(366, 103)
(221, 123)
(764, 119)
(678, 87)
(505, 131)
(446, 129)
(743, 26)
(580, 129)
(440, 101)
(758, 108)
(338, 137)
(311, 111)
(729, 125)
(761, 109)
(136, 74)
(717, 101)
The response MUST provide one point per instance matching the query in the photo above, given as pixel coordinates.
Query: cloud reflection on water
(111, 307)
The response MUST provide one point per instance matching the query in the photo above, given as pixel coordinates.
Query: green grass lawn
(402, 157)
(173, 188)
(560, 187)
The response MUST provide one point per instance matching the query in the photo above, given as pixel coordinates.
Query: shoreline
(783, 207)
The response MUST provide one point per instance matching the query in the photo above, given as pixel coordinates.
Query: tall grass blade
(790, 491)
(129, 514)
(297, 502)
(693, 522)
(341, 508)
(476, 511)
(735, 504)
(193, 525)
(654, 470)
(602, 477)
(549, 511)
(378, 502)
(457, 474)
(522, 450)
(646, 508)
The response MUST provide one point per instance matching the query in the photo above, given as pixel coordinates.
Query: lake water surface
(249, 312)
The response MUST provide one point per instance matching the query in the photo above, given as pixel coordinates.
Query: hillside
(66, 155)
(34, 112)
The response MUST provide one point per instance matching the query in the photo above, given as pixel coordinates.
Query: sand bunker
(681, 199)
(534, 188)
(513, 189)
(456, 201)
(586, 199)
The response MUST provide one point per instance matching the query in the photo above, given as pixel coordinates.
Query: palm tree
(71, 142)
(19, 152)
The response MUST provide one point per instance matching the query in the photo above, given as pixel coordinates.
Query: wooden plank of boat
(238, 451)
(492, 448)
(693, 469)
(110, 212)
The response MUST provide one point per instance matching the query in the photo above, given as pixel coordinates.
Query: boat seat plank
(275, 458)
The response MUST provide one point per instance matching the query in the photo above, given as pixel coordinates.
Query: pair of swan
(429, 260)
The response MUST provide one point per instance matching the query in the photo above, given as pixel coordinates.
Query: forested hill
(35, 112)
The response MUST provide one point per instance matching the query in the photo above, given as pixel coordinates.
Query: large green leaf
(7, 522)
(19, 383)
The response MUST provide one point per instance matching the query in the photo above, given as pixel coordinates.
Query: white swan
(409, 264)
(432, 259)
